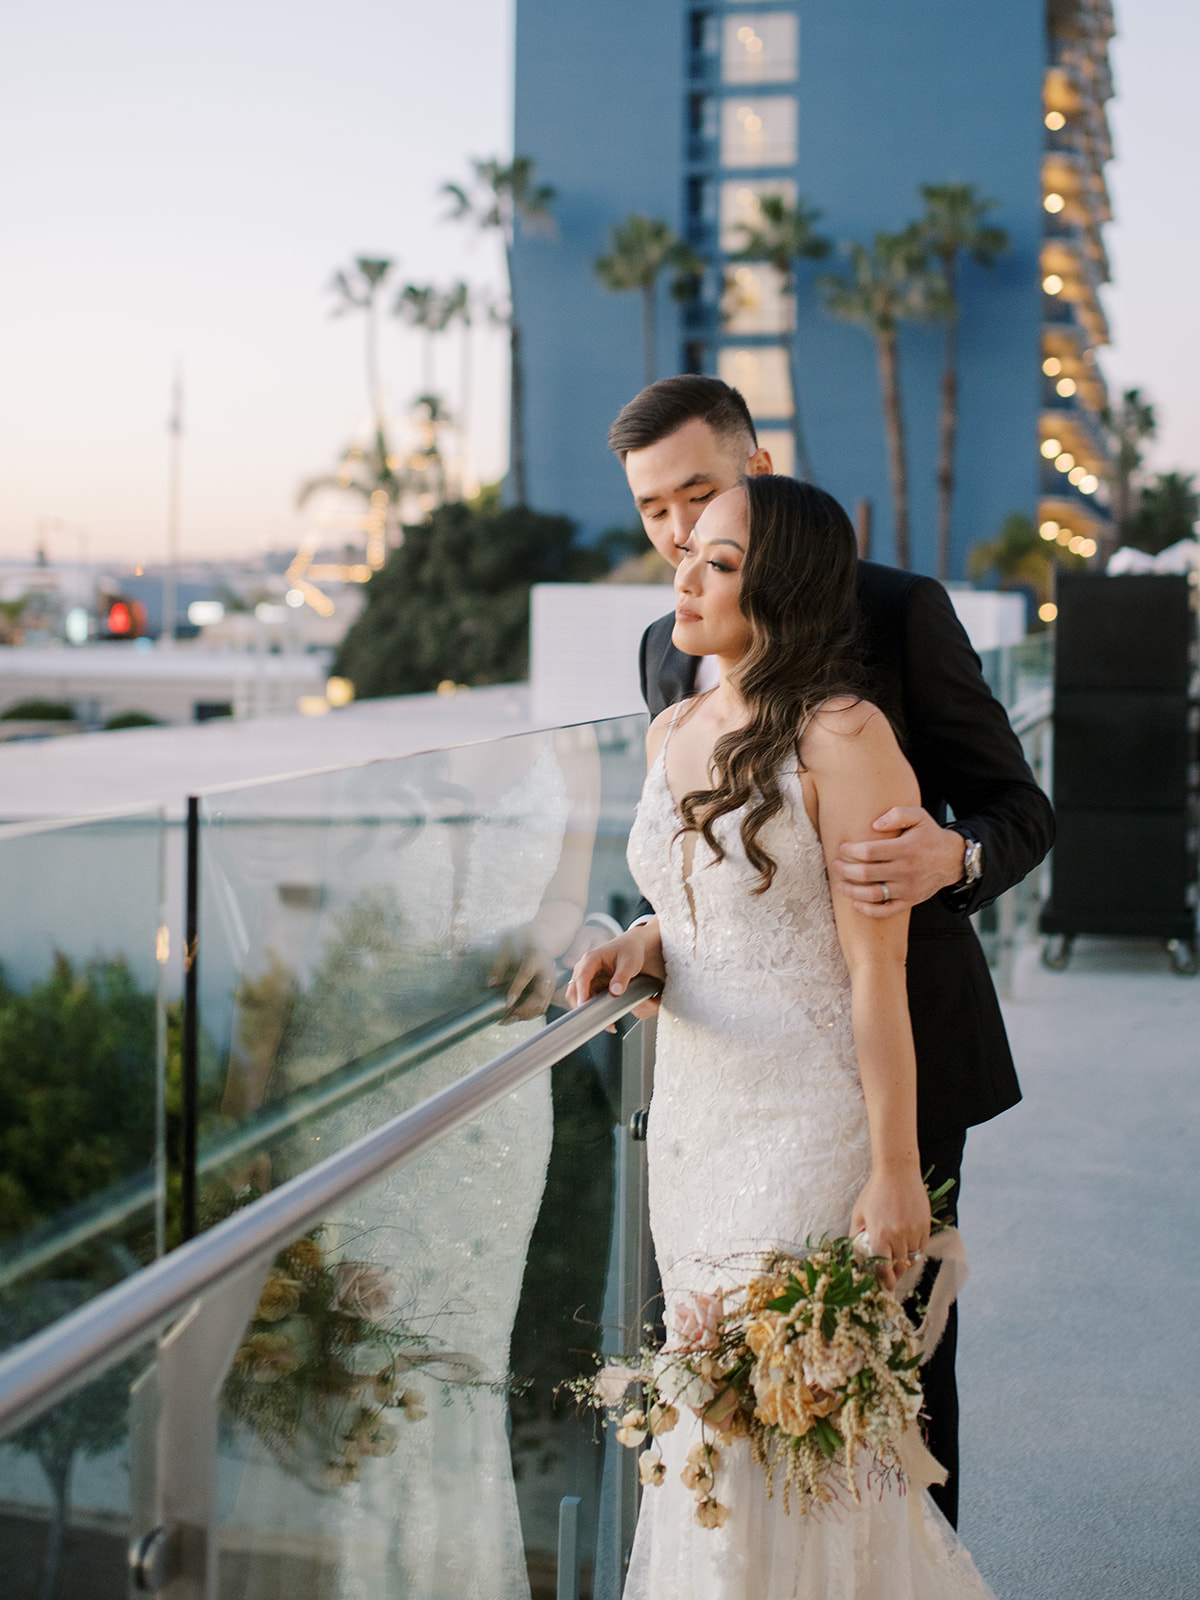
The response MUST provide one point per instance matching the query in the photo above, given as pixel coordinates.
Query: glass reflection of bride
(498, 874)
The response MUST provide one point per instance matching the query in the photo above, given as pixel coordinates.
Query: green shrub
(38, 711)
(132, 719)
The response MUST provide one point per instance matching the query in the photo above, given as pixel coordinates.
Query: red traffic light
(119, 618)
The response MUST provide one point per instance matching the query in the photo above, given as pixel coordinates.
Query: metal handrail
(104, 1212)
(63, 1357)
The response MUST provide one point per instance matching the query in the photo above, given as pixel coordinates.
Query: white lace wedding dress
(758, 1139)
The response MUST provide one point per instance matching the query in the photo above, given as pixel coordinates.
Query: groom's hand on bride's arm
(913, 860)
(611, 967)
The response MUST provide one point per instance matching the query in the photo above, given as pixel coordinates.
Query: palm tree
(784, 236)
(642, 247)
(953, 225)
(506, 198)
(1132, 422)
(1017, 555)
(374, 474)
(358, 290)
(420, 305)
(889, 284)
(1167, 511)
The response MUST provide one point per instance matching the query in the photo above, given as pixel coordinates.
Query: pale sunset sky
(179, 183)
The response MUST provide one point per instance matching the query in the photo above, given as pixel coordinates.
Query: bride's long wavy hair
(798, 594)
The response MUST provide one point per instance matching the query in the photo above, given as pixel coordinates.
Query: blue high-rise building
(694, 112)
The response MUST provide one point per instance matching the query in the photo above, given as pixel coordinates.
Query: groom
(682, 442)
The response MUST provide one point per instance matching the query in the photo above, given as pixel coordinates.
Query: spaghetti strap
(679, 705)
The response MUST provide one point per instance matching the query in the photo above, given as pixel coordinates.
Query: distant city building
(694, 113)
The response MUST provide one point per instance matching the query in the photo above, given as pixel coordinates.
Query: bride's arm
(609, 968)
(853, 772)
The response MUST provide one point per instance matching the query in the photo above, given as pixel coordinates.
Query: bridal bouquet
(813, 1361)
(324, 1374)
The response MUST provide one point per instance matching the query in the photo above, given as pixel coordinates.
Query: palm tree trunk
(649, 333)
(464, 412)
(516, 393)
(374, 397)
(948, 428)
(802, 466)
(893, 417)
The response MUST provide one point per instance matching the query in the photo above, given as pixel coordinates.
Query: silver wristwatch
(972, 863)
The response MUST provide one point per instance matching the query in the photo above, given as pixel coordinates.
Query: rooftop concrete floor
(1079, 1356)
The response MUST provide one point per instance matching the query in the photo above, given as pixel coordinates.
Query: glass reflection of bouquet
(812, 1361)
(325, 1375)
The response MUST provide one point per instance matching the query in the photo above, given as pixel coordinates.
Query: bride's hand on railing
(611, 967)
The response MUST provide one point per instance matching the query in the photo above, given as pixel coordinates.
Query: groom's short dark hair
(663, 407)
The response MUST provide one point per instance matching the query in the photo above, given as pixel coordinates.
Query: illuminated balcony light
(1076, 475)
(1063, 537)
(1054, 203)
(1055, 120)
(1089, 548)
(1088, 484)
(1065, 462)
(1049, 530)
(1076, 545)
(1048, 612)
(1066, 387)
(1052, 283)
(1051, 448)
(1052, 366)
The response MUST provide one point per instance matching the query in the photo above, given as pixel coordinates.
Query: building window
(693, 356)
(760, 48)
(781, 448)
(702, 116)
(754, 300)
(703, 33)
(759, 131)
(701, 200)
(740, 207)
(762, 377)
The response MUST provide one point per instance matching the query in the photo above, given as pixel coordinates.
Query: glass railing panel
(85, 1019)
(394, 1421)
(360, 931)
(66, 1495)
(1018, 671)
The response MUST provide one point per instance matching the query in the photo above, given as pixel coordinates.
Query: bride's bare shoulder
(846, 730)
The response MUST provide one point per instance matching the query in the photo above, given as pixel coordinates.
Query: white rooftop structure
(144, 767)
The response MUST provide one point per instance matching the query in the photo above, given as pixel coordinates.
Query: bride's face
(708, 616)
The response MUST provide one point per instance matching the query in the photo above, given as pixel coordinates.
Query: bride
(784, 1103)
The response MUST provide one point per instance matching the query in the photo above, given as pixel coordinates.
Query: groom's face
(672, 481)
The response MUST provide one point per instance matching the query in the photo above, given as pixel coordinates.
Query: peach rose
(696, 1322)
(267, 1357)
(611, 1384)
(361, 1290)
(279, 1298)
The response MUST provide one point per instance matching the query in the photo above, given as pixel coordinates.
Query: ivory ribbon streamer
(946, 1247)
(918, 1465)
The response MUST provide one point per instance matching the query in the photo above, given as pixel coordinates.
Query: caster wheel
(1056, 952)
(1183, 958)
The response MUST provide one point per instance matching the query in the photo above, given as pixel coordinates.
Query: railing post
(173, 1441)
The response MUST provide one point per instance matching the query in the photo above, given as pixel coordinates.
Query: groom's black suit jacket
(924, 674)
